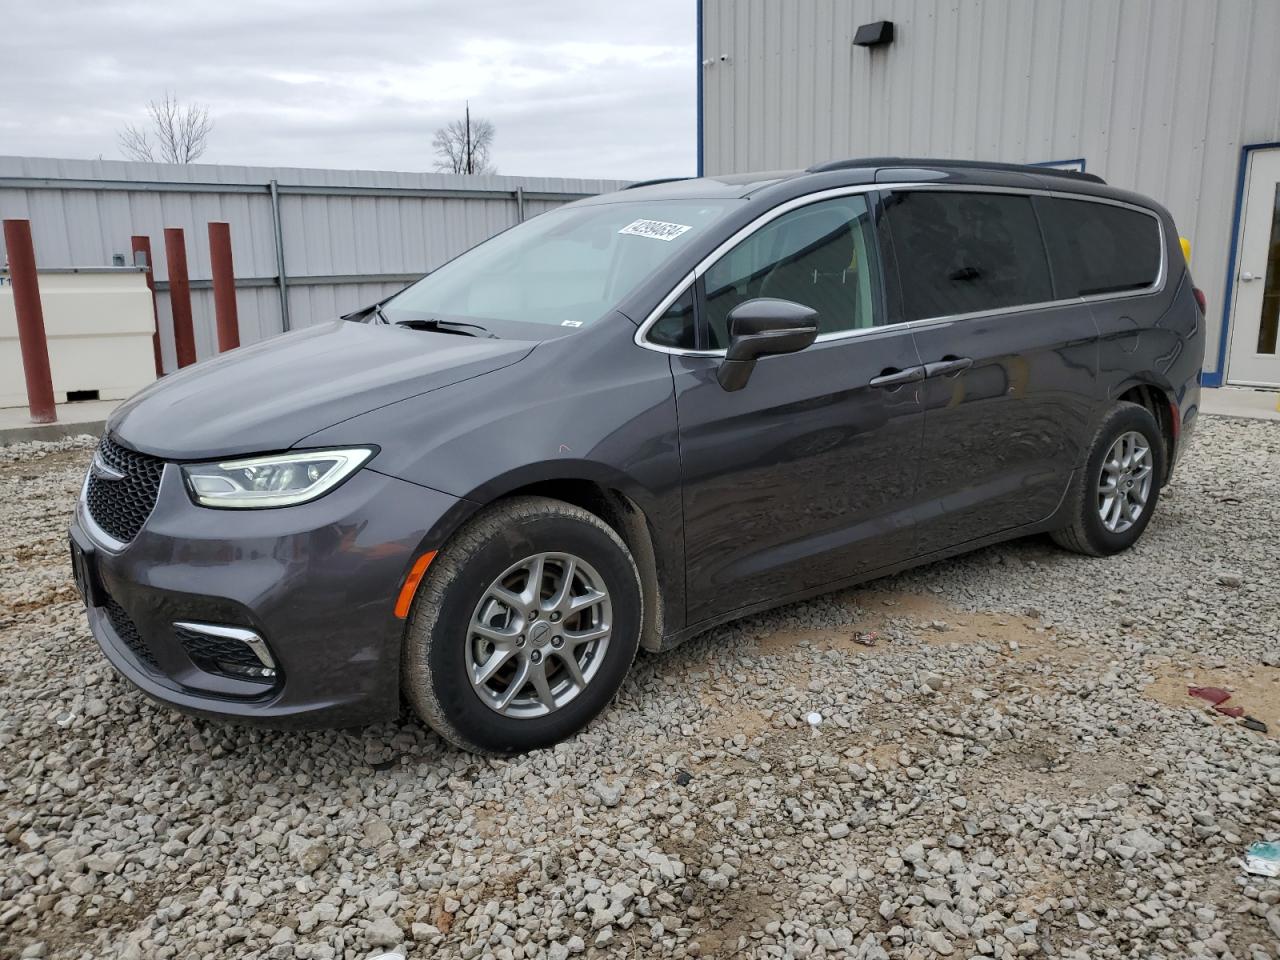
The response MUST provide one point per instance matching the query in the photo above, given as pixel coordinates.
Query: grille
(121, 507)
(127, 630)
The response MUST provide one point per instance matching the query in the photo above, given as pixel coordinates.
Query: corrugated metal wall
(350, 237)
(1158, 96)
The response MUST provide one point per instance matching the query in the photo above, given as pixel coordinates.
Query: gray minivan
(629, 420)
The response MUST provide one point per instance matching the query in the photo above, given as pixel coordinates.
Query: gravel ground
(1014, 769)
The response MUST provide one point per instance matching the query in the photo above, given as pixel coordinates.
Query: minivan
(631, 419)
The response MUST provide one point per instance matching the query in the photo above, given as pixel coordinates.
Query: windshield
(568, 267)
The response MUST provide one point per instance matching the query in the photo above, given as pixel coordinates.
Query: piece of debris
(381, 765)
(813, 718)
(1253, 723)
(866, 639)
(683, 778)
(1263, 859)
(1230, 711)
(1215, 695)
(1230, 579)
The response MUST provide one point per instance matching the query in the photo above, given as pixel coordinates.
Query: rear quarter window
(1099, 248)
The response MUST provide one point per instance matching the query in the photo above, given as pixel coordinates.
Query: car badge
(103, 470)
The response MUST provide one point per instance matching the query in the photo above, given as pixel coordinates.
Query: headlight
(275, 481)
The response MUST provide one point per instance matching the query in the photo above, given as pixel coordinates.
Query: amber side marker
(405, 601)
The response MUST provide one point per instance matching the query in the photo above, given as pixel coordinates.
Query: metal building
(1176, 99)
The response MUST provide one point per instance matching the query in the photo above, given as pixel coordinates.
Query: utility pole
(470, 168)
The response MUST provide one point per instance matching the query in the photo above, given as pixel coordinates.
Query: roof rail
(651, 183)
(944, 164)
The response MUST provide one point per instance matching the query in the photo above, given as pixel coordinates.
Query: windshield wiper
(444, 326)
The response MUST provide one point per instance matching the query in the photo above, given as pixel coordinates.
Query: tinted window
(822, 255)
(675, 327)
(967, 252)
(1098, 247)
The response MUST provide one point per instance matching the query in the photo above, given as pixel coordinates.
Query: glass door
(1255, 314)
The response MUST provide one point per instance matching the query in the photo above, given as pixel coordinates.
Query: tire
(457, 598)
(1086, 531)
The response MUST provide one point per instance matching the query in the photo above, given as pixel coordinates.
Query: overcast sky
(576, 88)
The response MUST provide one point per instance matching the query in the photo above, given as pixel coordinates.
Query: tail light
(1201, 302)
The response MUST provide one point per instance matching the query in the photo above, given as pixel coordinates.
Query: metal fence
(308, 245)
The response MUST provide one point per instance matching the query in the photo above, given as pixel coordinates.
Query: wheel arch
(630, 513)
(1159, 401)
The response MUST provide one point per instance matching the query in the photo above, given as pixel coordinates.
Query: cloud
(574, 88)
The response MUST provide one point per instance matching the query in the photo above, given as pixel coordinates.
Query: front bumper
(317, 581)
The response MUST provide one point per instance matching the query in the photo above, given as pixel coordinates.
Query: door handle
(893, 377)
(1246, 277)
(947, 367)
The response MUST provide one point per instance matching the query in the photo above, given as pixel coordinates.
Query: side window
(675, 327)
(1099, 247)
(822, 255)
(966, 252)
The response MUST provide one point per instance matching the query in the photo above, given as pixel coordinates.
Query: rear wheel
(524, 627)
(1112, 501)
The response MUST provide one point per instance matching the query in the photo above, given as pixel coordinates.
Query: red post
(224, 286)
(184, 335)
(142, 251)
(31, 336)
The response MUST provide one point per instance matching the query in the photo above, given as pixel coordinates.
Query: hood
(269, 396)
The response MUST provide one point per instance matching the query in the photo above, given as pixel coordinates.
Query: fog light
(229, 651)
(251, 673)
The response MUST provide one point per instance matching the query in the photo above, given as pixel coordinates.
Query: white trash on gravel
(1030, 780)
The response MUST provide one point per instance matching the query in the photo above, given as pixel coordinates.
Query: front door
(806, 475)
(1255, 311)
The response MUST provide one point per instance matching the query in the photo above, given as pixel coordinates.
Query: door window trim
(795, 203)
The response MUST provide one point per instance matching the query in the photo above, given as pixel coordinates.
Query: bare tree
(176, 132)
(462, 146)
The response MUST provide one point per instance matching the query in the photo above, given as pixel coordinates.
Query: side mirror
(761, 328)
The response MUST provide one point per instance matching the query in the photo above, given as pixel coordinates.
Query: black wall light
(874, 34)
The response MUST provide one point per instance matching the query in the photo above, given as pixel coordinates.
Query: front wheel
(1112, 501)
(524, 627)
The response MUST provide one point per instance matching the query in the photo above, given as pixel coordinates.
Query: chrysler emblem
(103, 470)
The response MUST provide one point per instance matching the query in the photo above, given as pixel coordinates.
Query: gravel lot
(1013, 770)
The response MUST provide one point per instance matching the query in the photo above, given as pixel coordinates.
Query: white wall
(98, 325)
(1158, 96)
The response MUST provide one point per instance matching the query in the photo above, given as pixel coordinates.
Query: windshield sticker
(655, 229)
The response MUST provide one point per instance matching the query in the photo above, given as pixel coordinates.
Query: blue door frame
(1213, 378)
(698, 4)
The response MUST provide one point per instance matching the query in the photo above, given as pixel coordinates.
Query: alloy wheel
(538, 635)
(1124, 485)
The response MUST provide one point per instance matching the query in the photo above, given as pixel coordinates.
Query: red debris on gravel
(1215, 695)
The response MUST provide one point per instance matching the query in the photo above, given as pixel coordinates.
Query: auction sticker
(655, 229)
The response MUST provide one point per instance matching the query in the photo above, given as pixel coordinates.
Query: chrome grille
(120, 505)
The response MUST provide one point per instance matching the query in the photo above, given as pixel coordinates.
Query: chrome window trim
(710, 259)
